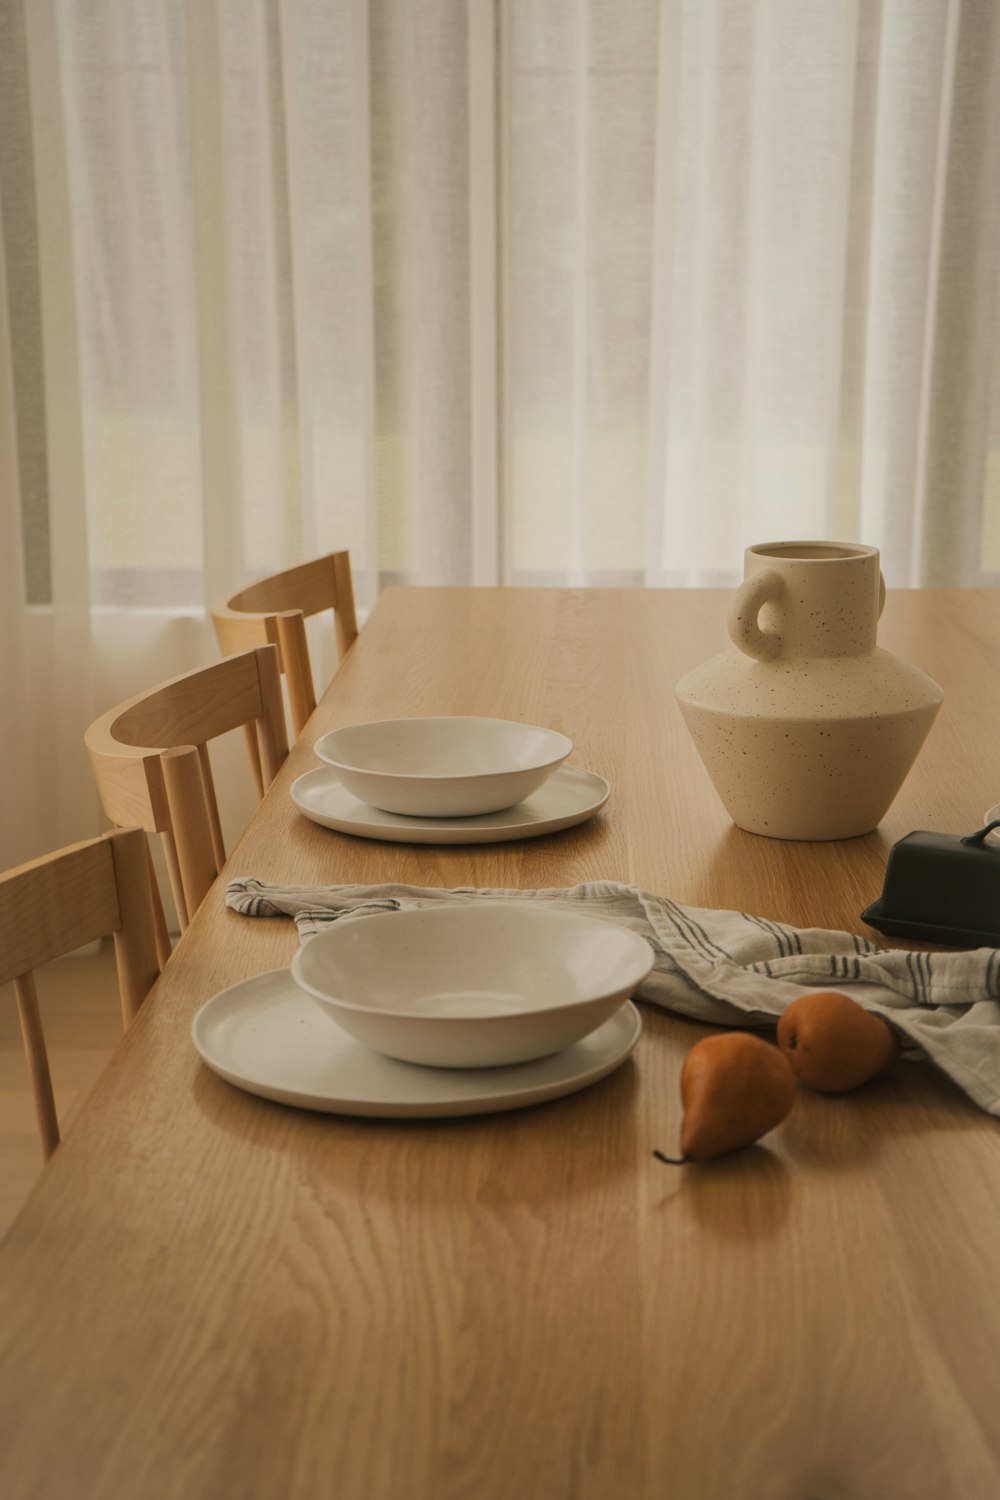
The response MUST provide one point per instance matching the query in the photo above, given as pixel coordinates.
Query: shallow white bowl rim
(637, 958)
(561, 747)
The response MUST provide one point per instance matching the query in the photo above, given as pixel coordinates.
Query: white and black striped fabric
(731, 968)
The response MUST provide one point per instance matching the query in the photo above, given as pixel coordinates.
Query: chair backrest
(150, 760)
(275, 609)
(63, 901)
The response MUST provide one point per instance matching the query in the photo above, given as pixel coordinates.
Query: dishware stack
(432, 1012)
(447, 780)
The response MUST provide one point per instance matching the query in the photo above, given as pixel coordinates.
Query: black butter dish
(940, 888)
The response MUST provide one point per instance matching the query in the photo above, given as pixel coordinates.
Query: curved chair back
(150, 760)
(275, 609)
(63, 901)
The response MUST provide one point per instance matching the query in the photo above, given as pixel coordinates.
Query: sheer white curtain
(582, 291)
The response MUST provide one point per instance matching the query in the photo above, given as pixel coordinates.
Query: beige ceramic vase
(806, 727)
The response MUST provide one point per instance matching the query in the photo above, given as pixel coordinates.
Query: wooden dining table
(210, 1294)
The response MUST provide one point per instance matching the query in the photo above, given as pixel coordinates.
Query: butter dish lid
(941, 888)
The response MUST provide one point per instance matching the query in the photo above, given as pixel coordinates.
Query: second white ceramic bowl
(442, 767)
(476, 986)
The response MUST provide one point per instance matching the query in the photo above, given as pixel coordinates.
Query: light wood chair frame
(49, 907)
(275, 609)
(151, 764)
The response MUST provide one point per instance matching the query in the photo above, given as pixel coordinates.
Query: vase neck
(828, 604)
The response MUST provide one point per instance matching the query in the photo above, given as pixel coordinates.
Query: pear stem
(672, 1161)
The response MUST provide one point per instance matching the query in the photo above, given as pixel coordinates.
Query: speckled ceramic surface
(806, 727)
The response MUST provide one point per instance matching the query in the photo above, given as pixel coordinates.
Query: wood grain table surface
(212, 1295)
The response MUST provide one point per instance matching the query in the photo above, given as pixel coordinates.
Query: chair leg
(298, 671)
(194, 842)
(251, 739)
(135, 939)
(38, 1062)
(344, 616)
(272, 737)
(176, 882)
(212, 807)
(160, 932)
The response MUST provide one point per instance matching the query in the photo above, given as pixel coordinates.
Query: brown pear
(734, 1089)
(833, 1044)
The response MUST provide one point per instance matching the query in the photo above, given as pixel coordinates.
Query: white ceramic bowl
(444, 767)
(474, 986)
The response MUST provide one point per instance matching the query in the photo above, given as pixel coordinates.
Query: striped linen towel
(730, 968)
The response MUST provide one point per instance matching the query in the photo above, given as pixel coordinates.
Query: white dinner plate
(569, 796)
(265, 1035)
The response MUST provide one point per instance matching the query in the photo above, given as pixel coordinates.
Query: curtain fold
(484, 290)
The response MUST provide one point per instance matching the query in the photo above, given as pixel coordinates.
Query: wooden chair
(275, 609)
(63, 901)
(150, 760)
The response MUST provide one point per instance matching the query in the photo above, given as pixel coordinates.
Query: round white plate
(268, 1037)
(569, 796)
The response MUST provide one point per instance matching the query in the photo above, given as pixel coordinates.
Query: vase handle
(881, 593)
(748, 601)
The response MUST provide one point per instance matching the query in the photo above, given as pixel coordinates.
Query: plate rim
(554, 760)
(397, 828)
(476, 1101)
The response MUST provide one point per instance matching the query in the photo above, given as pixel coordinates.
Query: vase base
(806, 836)
(808, 780)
